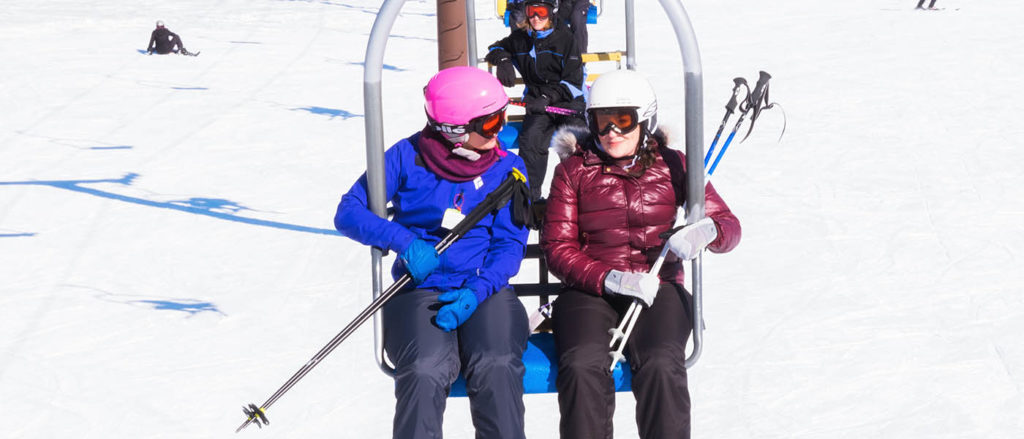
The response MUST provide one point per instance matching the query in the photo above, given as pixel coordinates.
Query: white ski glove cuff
(642, 286)
(689, 241)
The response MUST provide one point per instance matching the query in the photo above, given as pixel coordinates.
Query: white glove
(688, 242)
(643, 286)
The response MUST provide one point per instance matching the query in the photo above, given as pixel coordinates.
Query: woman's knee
(438, 369)
(663, 362)
(489, 363)
(584, 360)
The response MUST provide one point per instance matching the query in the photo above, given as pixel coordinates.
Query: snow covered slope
(167, 252)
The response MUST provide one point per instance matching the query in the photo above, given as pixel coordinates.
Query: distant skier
(461, 315)
(163, 41)
(611, 198)
(920, 4)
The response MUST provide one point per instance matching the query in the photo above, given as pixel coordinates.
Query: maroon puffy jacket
(601, 217)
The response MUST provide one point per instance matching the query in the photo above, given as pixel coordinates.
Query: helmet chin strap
(457, 141)
(466, 153)
(644, 135)
(633, 157)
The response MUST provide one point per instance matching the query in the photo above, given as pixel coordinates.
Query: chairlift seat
(540, 358)
(541, 364)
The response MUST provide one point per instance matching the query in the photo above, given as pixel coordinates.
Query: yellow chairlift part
(601, 56)
(499, 8)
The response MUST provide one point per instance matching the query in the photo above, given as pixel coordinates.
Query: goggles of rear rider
(488, 125)
(622, 120)
(538, 10)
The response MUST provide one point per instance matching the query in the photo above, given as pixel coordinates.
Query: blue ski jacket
(483, 260)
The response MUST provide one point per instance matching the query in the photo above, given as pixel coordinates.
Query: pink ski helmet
(457, 95)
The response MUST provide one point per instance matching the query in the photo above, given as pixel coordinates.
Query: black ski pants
(534, 140)
(656, 351)
(920, 4)
(487, 348)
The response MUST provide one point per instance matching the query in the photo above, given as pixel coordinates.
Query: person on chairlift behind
(548, 60)
(572, 13)
(459, 314)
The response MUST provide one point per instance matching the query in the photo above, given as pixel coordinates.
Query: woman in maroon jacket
(609, 201)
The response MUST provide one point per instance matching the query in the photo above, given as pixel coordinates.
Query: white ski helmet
(629, 89)
(159, 23)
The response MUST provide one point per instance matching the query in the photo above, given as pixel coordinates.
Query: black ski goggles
(622, 120)
(488, 125)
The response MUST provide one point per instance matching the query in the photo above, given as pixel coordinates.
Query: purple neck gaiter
(440, 159)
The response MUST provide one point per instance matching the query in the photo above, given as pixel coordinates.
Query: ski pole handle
(733, 101)
(758, 94)
(730, 108)
(553, 110)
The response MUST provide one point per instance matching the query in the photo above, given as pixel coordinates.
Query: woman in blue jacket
(461, 315)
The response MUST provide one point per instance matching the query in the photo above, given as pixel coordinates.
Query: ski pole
(553, 110)
(745, 108)
(751, 105)
(495, 200)
(730, 107)
(616, 332)
(633, 312)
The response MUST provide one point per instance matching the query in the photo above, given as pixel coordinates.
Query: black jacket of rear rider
(549, 63)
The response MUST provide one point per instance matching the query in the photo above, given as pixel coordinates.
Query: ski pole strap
(757, 98)
(553, 110)
(757, 95)
(514, 183)
(773, 105)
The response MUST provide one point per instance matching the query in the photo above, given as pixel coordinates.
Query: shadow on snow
(384, 66)
(329, 112)
(211, 207)
(192, 307)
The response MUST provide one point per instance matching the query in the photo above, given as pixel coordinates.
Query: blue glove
(460, 305)
(420, 259)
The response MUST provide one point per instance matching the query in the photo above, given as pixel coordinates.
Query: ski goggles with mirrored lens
(541, 11)
(604, 120)
(488, 125)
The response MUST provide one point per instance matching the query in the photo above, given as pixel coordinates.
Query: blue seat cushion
(542, 368)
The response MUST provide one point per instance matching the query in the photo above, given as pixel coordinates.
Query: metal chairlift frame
(694, 138)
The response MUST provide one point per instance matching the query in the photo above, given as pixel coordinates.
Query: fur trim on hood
(566, 139)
